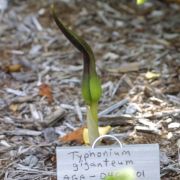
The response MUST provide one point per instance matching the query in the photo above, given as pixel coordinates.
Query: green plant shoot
(139, 2)
(91, 86)
(124, 174)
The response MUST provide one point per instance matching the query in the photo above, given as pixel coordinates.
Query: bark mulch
(138, 58)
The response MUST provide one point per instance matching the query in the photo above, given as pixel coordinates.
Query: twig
(113, 107)
(159, 114)
(117, 85)
(23, 99)
(159, 57)
(29, 170)
(69, 107)
(104, 19)
(51, 119)
(174, 99)
(21, 132)
(15, 92)
(78, 111)
(116, 120)
(171, 167)
(148, 129)
(36, 23)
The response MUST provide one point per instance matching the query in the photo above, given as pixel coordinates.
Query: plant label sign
(81, 163)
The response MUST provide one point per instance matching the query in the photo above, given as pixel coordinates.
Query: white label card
(81, 163)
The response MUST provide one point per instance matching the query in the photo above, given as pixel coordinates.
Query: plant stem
(92, 122)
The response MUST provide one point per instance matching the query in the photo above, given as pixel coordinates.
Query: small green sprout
(91, 86)
(124, 174)
(139, 2)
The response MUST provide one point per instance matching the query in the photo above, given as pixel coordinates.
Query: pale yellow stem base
(92, 123)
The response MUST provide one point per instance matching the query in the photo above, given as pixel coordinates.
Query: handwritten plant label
(81, 163)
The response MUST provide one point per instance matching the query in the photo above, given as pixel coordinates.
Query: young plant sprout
(124, 174)
(139, 2)
(91, 86)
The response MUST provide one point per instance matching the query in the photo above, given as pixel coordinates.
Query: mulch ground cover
(138, 59)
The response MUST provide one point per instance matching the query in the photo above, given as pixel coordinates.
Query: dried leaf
(46, 91)
(13, 107)
(151, 75)
(75, 136)
(53, 160)
(102, 131)
(13, 68)
(124, 68)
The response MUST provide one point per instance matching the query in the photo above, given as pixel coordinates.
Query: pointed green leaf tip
(91, 86)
